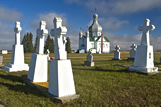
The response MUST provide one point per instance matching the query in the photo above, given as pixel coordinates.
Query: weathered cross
(41, 32)
(60, 41)
(117, 48)
(133, 46)
(17, 30)
(145, 36)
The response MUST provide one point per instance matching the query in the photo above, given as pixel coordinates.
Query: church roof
(95, 27)
(103, 37)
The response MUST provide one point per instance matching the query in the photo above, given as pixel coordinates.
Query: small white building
(4, 51)
(94, 39)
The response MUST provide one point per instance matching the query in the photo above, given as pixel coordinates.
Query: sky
(119, 19)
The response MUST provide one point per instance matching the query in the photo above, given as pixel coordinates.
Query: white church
(94, 39)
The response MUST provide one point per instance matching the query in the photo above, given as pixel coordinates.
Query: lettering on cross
(145, 35)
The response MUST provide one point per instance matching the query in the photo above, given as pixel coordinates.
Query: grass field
(106, 84)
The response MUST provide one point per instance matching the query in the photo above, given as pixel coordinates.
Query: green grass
(106, 84)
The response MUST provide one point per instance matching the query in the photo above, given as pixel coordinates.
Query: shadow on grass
(21, 86)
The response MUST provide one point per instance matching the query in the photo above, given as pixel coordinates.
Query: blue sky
(119, 18)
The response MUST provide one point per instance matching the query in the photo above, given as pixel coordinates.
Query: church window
(106, 45)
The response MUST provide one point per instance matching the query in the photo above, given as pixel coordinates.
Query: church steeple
(95, 29)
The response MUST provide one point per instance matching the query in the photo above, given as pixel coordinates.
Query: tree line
(29, 47)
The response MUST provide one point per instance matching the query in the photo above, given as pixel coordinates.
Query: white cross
(58, 30)
(133, 46)
(17, 30)
(145, 36)
(117, 48)
(41, 32)
(60, 41)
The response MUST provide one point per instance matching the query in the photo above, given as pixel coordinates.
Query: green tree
(27, 42)
(36, 41)
(68, 46)
(49, 44)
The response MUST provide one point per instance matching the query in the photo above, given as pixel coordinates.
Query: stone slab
(87, 63)
(38, 71)
(43, 87)
(153, 70)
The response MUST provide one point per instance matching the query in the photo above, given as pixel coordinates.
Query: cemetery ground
(108, 83)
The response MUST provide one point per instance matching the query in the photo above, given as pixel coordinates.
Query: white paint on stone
(17, 59)
(38, 71)
(133, 50)
(61, 82)
(144, 61)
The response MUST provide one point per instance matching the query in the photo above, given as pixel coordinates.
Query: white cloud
(48, 17)
(112, 23)
(9, 15)
(109, 7)
(7, 19)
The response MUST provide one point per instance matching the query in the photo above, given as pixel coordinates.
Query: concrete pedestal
(87, 63)
(61, 82)
(116, 55)
(38, 71)
(144, 60)
(17, 60)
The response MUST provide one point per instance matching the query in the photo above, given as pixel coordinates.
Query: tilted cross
(17, 30)
(145, 36)
(41, 32)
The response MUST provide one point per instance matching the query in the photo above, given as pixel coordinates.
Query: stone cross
(60, 41)
(133, 46)
(117, 48)
(17, 30)
(89, 56)
(145, 36)
(41, 32)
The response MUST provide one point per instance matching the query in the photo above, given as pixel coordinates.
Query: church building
(94, 39)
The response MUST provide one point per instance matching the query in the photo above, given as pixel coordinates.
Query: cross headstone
(90, 61)
(41, 32)
(144, 61)
(117, 53)
(60, 41)
(38, 71)
(133, 50)
(17, 58)
(61, 82)
(17, 30)
(47, 53)
(145, 35)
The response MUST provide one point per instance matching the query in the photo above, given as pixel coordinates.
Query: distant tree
(27, 42)
(68, 46)
(49, 44)
(36, 41)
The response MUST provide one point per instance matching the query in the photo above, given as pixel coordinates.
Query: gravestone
(90, 59)
(132, 51)
(38, 71)
(17, 59)
(4, 51)
(47, 53)
(144, 53)
(117, 53)
(1, 61)
(61, 82)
